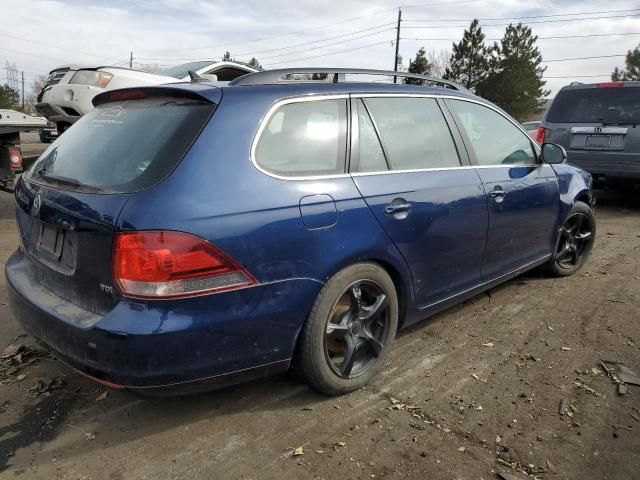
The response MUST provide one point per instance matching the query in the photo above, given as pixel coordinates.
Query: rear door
(521, 193)
(416, 180)
(70, 199)
(598, 125)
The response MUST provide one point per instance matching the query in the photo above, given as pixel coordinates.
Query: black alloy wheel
(348, 333)
(357, 329)
(576, 239)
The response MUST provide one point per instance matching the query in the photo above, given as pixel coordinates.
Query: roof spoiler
(206, 93)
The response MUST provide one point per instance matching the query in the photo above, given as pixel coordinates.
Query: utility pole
(131, 60)
(22, 72)
(395, 59)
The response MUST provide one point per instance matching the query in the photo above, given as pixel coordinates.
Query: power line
(583, 58)
(440, 20)
(557, 37)
(52, 46)
(335, 53)
(319, 27)
(33, 55)
(297, 45)
(322, 46)
(527, 23)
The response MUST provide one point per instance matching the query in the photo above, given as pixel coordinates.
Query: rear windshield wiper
(65, 180)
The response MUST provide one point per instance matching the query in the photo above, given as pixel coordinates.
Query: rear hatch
(597, 122)
(70, 199)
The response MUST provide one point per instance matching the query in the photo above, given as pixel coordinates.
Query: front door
(421, 190)
(521, 193)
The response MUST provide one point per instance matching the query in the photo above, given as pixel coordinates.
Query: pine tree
(469, 60)
(9, 98)
(419, 65)
(514, 74)
(255, 63)
(632, 67)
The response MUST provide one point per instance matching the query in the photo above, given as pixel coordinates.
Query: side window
(495, 140)
(370, 153)
(304, 139)
(414, 133)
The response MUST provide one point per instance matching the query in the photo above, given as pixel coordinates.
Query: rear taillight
(165, 264)
(15, 158)
(540, 135)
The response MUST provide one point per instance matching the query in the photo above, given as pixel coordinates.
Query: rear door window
(370, 156)
(304, 139)
(495, 140)
(414, 133)
(124, 146)
(596, 105)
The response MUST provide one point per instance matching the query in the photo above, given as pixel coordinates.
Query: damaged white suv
(70, 89)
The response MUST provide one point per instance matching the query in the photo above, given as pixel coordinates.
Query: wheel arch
(583, 196)
(400, 285)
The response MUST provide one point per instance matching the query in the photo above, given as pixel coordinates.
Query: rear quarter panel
(218, 194)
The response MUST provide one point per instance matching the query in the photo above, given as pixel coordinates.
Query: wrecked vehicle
(70, 89)
(11, 161)
(211, 234)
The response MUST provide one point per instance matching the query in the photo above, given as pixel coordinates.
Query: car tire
(357, 312)
(575, 242)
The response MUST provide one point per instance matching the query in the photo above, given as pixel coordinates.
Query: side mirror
(553, 153)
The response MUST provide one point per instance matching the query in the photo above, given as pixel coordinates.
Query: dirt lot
(445, 407)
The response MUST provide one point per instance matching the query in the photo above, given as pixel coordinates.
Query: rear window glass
(305, 139)
(122, 146)
(596, 105)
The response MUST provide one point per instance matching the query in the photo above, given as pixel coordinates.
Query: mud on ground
(470, 392)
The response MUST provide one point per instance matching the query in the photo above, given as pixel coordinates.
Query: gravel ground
(464, 395)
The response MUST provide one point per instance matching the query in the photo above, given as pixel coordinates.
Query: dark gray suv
(599, 126)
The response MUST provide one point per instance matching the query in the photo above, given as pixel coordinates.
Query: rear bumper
(168, 346)
(607, 167)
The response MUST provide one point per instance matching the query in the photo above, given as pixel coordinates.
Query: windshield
(181, 71)
(122, 147)
(596, 105)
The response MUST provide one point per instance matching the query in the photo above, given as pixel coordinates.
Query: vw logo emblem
(37, 203)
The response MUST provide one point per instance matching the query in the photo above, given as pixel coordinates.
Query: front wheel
(352, 324)
(576, 240)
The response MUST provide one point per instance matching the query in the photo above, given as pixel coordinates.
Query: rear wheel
(352, 324)
(576, 240)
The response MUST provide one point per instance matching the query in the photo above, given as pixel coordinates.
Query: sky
(44, 34)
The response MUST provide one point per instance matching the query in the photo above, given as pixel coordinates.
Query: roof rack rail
(278, 75)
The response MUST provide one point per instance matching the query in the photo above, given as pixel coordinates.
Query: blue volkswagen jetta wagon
(185, 236)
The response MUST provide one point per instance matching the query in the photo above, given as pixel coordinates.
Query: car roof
(325, 87)
(579, 86)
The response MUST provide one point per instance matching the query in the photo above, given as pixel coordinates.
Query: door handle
(497, 193)
(394, 208)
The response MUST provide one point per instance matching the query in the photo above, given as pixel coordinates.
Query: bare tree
(439, 60)
(148, 67)
(31, 98)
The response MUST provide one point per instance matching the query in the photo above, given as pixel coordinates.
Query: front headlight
(91, 77)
